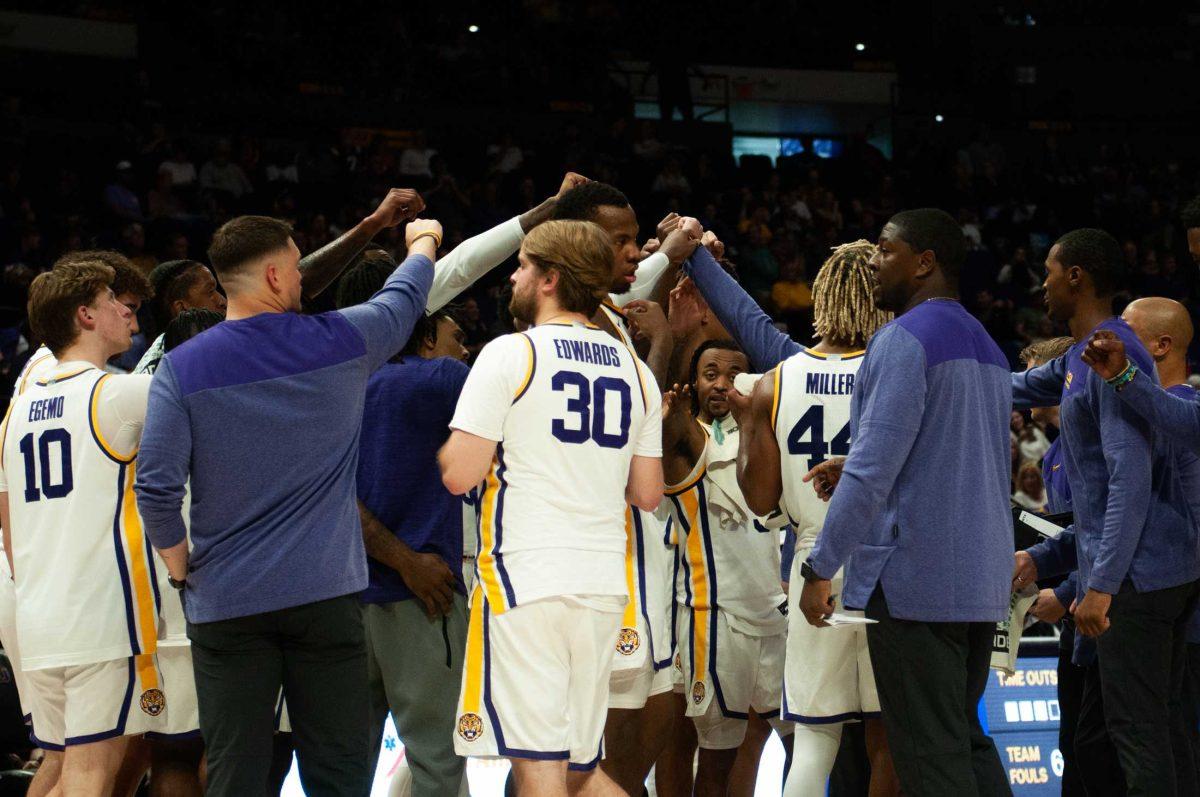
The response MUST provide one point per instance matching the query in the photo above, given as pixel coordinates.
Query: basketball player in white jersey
(131, 289)
(797, 416)
(564, 423)
(731, 626)
(640, 718)
(69, 451)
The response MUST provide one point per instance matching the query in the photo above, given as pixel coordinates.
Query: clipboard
(1030, 528)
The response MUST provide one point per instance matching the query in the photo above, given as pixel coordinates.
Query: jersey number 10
(589, 406)
(50, 487)
(812, 423)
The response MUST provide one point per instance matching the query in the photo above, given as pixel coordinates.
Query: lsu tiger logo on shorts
(153, 702)
(628, 641)
(470, 727)
(698, 692)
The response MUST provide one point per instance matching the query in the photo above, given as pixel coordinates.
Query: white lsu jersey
(84, 569)
(729, 559)
(569, 407)
(811, 418)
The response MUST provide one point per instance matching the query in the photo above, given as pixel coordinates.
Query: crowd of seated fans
(165, 192)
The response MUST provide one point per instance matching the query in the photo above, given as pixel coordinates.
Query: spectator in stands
(505, 157)
(222, 175)
(1031, 440)
(671, 181)
(179, 166)
(120, 198)
(1030, 492)
(133, 246)
(474, 326)
(414, 160)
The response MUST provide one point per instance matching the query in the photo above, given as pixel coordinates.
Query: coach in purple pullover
(920, 515)
(261, 414)
(1135, 535)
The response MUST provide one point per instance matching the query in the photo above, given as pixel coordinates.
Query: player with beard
(640, 702)
(731, 637)
(564, 425)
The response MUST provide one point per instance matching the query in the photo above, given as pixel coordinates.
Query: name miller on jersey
(584, 352)
(829, 384)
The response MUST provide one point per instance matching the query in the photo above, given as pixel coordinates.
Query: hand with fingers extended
(677, 400)
(1105, 353)
(400, 205)
(647, 321)
(825, 477)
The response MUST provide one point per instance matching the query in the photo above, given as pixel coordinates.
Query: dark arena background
(785, 128)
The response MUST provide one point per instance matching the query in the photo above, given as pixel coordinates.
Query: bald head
(1165, 329)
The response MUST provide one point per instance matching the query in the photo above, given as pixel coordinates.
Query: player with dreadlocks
(785, 432)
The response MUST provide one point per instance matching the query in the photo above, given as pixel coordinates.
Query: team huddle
(630, 461)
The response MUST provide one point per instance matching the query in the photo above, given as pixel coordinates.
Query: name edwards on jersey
(585, 352)
(827, 384)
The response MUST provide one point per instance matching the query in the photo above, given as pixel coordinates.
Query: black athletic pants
(1096, 760)
(317, 654)
(930, 677)
(1142, 663)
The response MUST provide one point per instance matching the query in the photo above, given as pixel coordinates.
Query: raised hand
(667, 225)
(400, 204)
(647, 321)
(570, 180)
(650, 247)
(682, 241)
(713, 244)
(677, 399)
(1105, 353)
(425, 234)
(825, 477)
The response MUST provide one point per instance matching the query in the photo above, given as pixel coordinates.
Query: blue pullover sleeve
(1126, 441)
(163, 461)
(1055, 556)
(1066, 591)
(1041, 386)
(1173, 416)
(753, 329)
(893, 405)
(387, 319)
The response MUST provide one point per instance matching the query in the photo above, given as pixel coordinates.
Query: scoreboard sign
(1021, 713)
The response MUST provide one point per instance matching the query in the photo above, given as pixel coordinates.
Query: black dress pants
(317, 654)
(930, 677)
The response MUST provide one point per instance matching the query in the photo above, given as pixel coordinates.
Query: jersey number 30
(812, 423)
(589, 406)
(51, 487)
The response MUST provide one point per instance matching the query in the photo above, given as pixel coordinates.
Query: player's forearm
(1056, 555)
(1039, 387)
(382, 546)
(1124, 519)
(758, 470)
(753, 329)
(1176, 417)
(537, 215)
(475, 257)
(6, 530)
(659, 358)
(176, 558)
(319, 269)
